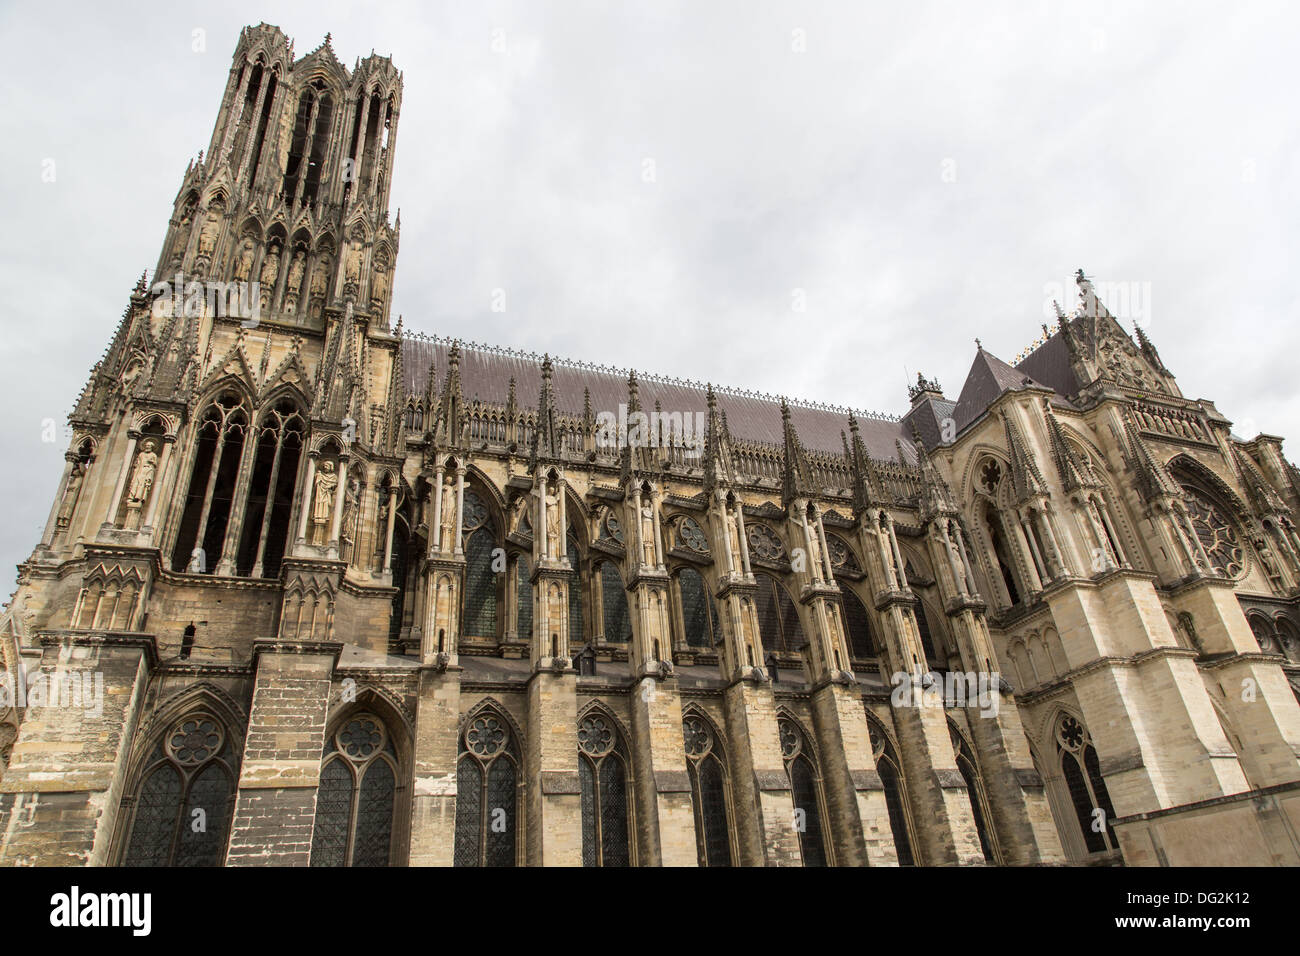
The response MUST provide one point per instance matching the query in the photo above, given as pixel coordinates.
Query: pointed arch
(604, 775)
(890, 768)
(803, 769)
(488, 788)
(706, 765)
(979, 804)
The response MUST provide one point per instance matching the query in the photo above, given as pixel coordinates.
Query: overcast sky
(661, 184)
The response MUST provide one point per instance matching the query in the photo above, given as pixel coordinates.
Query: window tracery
(707, 773)
(181, 809)
(602, 773)
(487, 784)
(356, 795)
(805, 789)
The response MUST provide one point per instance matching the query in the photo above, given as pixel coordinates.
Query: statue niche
(322, 511)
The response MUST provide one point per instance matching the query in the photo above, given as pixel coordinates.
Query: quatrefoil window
(485, 736)
(990, 474)
(595, 736)
(361, 737)
(195, 739)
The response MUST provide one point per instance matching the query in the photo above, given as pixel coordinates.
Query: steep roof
(486, 373)
(1050, 364)
(988, 378)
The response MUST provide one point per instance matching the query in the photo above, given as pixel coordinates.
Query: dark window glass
(329, 842)
(524, 601)
(155, 818)
(374, 816)
(480, 585)
(889, 776)
(210, 792)
(1082, 802)
(803, 781)
(501, 813)
(469, 802)
(618, 625)
(712, 798)
(858, 625)
(695, 609)
(613, 813)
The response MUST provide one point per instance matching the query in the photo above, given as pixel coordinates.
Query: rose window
(764, 544)
(474, 512)
(698, 738)
(485, 736)
(990, 474)
(789, 740)
(595, 736)
(195, 739)
(1216, 533)
(692, 535)
(360, 737)
(1070, 733)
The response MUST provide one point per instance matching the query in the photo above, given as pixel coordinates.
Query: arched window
(927, 636)
(1087, 788)
(487, 793)
(699, 614)
(523, 599)
(354, 803)
(220, 444)
(707, 771)
(602, 771)
(1212, 523)
(891, 775)
(858, 626)
(187, 780)
(993, 522)
(975, 790)
(576, 632)
(481, 578)
(1263, 631)
(613, 603)
(778, 621)
(270, 491)
(805, 789)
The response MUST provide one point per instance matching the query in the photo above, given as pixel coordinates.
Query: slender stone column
(460, 508)
(307, 490)
(110, 519)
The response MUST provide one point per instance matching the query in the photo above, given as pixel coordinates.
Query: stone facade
(301, 601)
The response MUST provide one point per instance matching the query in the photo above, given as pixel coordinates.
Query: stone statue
(352, 271)
(146, 467)
(296, 270)
(70, 493)
(648, 534)
(323, 507)
(379, 283)
(733, 540)
(350, 502)
(448, 516)
(210, 229)
(244, 266)
(553, 524)
(270, 272)
(814, 550)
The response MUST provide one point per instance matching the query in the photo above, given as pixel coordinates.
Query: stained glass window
(480, 585)
(487, 793)
(805, 790)
(618, 625)
(576, 633)
(698, 614)
(356, 796)
(708, 791)
(778, 620)
(889, 768)
(523, 598)
(602, 763)
(1217, 533)
(974, 790)
(183, 804)
(858, 625)
(1087, 788)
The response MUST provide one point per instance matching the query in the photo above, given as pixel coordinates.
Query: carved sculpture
(146, 467)
(323, 506)
(448, 536)
(70, 494)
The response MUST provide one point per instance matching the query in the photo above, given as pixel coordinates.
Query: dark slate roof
(1050, 364)
(988, 378)
(928, 418)
(486, 371)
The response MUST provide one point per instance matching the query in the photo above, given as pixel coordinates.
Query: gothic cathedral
(296, 585)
